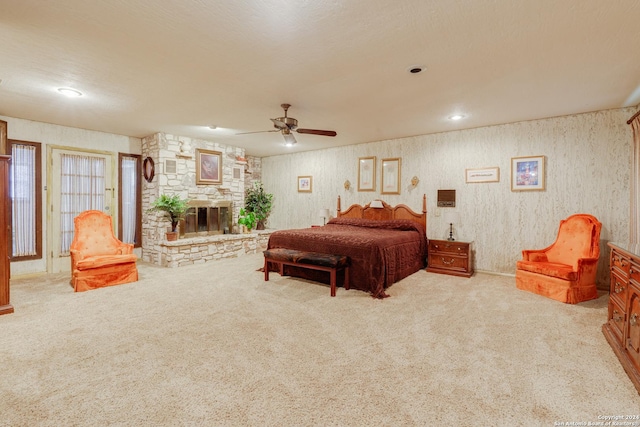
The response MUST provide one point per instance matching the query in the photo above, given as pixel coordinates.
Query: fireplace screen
(204, 218)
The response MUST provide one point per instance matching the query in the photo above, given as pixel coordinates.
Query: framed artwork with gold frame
(4, 144)
(527, 173)
(208, 167)
(304, 184)
(391, 176)
(482, 175)
(367, 173)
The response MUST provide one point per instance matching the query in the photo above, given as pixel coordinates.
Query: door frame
(113, 210)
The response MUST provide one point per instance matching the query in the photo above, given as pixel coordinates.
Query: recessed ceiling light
(415, 69)
(71, 93)
(456, 117)
(213, 127)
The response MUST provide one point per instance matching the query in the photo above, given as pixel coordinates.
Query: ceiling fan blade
(317, 132)
(257, 131)
(289, 139)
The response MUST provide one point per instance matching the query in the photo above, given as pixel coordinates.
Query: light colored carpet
(215, 345)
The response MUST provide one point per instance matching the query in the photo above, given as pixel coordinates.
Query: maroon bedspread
(381, 252)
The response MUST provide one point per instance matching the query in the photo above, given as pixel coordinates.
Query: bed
(384, 244)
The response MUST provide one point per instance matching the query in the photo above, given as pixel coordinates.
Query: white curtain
(82, 188)
(23, 195)
(128, 175)
(634, 232)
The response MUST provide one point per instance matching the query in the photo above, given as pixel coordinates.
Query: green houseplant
(248, 219)
(259, 202)
(174, 208)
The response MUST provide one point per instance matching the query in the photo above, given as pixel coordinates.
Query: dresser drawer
(620, 263)
(619, 287)
(616, 320)
(443, 246)
(634, 271)
(622, 329)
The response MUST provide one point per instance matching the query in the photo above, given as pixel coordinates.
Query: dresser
(5, 235)
(450, 257)
(622, 329)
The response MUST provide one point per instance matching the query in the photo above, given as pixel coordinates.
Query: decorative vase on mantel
(172, 236)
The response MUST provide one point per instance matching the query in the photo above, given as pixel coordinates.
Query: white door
(79, 181)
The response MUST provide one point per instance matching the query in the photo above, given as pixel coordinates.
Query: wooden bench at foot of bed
(310, 260)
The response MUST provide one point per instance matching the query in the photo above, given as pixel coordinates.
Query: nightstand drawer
(442, 260)
(450, 257)
(444, 246)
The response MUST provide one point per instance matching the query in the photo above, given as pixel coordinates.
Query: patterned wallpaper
(588, 162)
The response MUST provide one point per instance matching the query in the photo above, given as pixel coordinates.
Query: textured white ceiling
(177, 66)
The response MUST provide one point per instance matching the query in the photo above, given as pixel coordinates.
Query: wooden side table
(450, 257)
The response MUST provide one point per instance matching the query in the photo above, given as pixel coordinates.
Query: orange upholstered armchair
(98, 259)
(566, 270)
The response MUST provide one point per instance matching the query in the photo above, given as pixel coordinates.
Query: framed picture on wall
(4, 144)
(367, 174)
(527, 173)
(208, 167)
(482, 175)
(304, 184)
(391, 176)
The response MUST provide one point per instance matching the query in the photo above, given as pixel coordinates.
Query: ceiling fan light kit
(286, 125)
(289, 139)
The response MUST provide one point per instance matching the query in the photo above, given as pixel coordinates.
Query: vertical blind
(128, 175)
(82, 188)
(23, 195)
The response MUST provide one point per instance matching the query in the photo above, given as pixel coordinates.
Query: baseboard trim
(496, 273)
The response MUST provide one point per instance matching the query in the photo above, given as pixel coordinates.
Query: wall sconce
(347, 185)
(376, 204)
(324, 214)
(414, 181)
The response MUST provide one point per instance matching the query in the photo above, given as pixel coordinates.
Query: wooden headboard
(386, 212)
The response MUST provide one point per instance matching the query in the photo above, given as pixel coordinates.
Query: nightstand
(450, 257)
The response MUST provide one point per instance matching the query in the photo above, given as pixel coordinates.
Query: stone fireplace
(207, 232)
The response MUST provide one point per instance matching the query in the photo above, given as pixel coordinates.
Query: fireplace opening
(205, 217)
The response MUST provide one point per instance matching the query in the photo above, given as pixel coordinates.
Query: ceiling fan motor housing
(290, 122)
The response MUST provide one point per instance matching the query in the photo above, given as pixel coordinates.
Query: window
(26, 198)
(130, 199)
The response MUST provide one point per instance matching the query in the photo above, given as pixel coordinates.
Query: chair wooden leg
(266, 270)
(346, 278)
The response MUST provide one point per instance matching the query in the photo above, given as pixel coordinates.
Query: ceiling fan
(287, 125)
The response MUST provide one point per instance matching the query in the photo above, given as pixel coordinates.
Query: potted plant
(259, 202)
(174, 208)
(248, 219)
